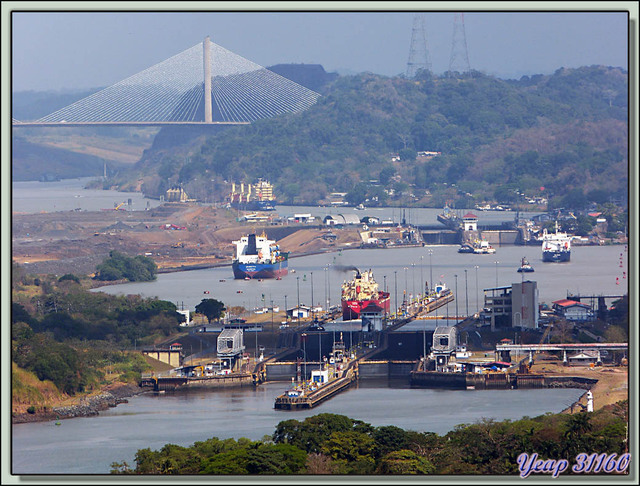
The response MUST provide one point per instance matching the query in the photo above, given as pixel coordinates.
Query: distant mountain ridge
(541, 135)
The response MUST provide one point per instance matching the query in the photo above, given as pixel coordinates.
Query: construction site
(177, 236)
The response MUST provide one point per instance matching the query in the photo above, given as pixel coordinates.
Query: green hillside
(541, 135)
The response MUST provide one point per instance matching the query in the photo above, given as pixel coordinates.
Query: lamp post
(421, 277)
(312, 306)
(456, 277)
(298, 309)
(286, 313)
(477, 288)
(430, 268)
(497, 273)
(406, 284)
(329, 286)
(466, 293)
(413, 279)
(326, 306)
(304, 351)
(320, 348)
(395, 284)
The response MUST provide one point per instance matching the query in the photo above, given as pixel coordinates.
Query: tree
(405, 462)
(118, 266)
(211, 308)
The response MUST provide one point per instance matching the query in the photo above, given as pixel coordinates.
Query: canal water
(90, 445)
(592, 271)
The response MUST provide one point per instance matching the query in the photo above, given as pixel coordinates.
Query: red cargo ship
(359, 292)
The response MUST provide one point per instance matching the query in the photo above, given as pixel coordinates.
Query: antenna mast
(459, 61)
(418, 52)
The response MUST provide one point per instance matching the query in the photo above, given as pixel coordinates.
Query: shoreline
(85, 406)
(605, 394)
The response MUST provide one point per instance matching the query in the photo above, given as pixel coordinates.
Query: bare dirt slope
(175, 235)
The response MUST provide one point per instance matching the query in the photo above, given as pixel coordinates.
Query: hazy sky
(70, 50)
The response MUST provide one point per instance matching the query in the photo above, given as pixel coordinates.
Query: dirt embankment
(177, 236)
(81, 407)
(612, 385)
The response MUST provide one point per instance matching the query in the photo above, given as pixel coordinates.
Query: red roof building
(573, 310)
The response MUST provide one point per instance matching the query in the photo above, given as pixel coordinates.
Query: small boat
(483, 247)
(206, 291)
(465, 249)
(239, 292)
(222, 280)
(525, 266)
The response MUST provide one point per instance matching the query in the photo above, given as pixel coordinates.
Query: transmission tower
(459, 61)
(418, 52)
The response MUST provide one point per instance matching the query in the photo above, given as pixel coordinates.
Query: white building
(572, 310)
(470, 222)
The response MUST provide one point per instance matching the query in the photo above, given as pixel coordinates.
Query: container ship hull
(556, 256)
(258, 257)
(259, 270)
(351, 309)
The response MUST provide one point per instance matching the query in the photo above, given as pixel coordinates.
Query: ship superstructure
(359, 292)
(253, 197)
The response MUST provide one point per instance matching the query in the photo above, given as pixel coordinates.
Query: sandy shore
(612, 385)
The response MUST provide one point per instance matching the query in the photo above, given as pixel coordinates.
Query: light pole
(304, 351)
(298, 309)
(329, 286)
(477, 289)
(421, 277)
(326, 306)
(456, 277)
(497, 274)
(320, 349)
(466, 293)
(413, 279)
(286, 314)
(395, 284)
(312, 306)
(406, 284)
(430, 269)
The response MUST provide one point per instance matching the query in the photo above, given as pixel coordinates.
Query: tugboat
(466, 248)
(525, 266)
(483, 247)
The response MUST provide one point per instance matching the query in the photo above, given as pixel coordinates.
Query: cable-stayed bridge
(206, 84)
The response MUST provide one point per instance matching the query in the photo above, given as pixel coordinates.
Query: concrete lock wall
(282, 371)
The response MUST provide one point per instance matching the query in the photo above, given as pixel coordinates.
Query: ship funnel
(251, 245)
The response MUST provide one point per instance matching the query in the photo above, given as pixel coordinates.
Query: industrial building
(512, 306)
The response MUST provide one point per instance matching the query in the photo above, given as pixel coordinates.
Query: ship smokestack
(251, 245)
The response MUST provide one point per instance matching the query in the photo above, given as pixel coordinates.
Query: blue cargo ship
(259, 257)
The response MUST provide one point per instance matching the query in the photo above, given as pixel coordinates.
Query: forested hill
(565, 133)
